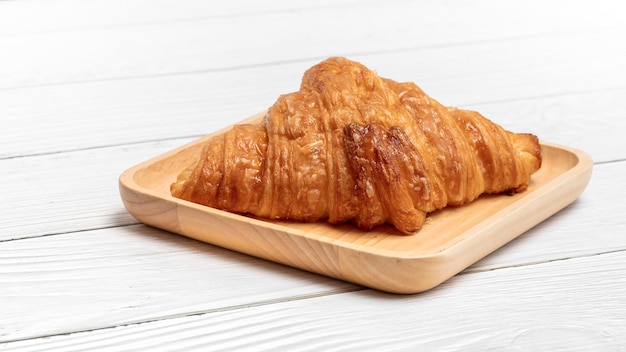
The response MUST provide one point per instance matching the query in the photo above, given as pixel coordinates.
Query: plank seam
(197, 313)
(315, 58)
(540, 262)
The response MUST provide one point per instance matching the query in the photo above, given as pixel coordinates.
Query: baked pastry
(350, 146)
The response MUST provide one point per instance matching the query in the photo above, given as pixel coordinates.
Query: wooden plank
(133, 274)
(506, 86)
(67, 192)
(573, 305)
(53, 15)
(194, 45)
(45, 16)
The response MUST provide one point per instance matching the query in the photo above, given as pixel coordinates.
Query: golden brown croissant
(350, 146)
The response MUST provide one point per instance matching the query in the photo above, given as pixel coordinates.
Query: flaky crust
(350, 146)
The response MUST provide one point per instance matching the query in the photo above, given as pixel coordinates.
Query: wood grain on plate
(451, 240)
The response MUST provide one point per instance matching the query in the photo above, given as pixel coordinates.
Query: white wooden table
(91, 88)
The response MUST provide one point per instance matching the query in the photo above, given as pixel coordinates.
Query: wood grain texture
(45, 16)
(572, 305)
(120, 51)
(80, 191)
(124, 275)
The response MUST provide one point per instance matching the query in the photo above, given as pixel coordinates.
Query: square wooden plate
(451, 240)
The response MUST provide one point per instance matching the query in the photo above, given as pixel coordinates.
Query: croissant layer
(350, 146)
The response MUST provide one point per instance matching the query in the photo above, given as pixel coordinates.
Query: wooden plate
(451, 240)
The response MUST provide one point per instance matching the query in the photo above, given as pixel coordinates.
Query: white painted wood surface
(90, 88)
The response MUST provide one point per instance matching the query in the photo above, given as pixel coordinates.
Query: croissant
(350, 146)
